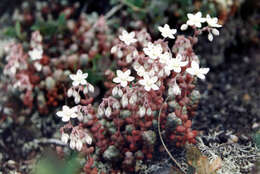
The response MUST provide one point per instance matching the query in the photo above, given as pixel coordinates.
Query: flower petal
(147, 88)
(177, 69)
(60, 114)
(116, 80)
(204, 70)
(155, 87)
(127, 72)
(65, 118)
(123, 83)
(130, 78)
(79, 72)
(190, 71)
(201, 76)
(119, 73)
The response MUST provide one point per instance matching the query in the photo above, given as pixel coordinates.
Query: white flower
(127, 38)
(195, 19)
(88, 139)
(79, 78)
(165, 57)
(123, 77)
(149, 83)
(196, 71)
(212, 22)
(153, 51)
(67, 113)
(176, 64)
(65, 138)
(35, 54)
(167, 32)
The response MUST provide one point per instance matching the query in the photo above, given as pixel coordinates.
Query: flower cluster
(41, 72)
(78, 136)
(152, 82)
(196, 20)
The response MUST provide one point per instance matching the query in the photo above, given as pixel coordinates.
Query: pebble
(233, 139)
(246, 98)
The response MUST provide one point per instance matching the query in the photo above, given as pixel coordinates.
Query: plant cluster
(39, 70)
(153, 85)
(128, 94)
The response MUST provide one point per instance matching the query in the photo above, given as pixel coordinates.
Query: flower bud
(115, 91)
(72, 143)
(113, 49)
(149, 111)
(79, 145)
(184, 27)
(116, 105)
(210, 37)
(88, 139)
(70, 92)
(100, 111)
(108, 111)
(85, 91)
(90, 88)
(142, 111)
(133, 99)
(215, 32)
(124, 101)
(65, 138)
(120, 93)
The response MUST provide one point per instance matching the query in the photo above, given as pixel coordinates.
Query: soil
(230, 95)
